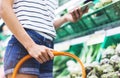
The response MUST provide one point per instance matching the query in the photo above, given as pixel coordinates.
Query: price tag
(96, 38)
(63, 46)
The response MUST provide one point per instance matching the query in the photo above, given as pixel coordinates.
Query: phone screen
(88, 4)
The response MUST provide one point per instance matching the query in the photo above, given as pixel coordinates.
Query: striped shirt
(37, 15)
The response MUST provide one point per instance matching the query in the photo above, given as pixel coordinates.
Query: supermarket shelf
(67, 5)
(91, 31)
(79, 40)
(113, 31)
(103, 18)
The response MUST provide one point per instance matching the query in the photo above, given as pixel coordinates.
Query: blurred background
(95, 39)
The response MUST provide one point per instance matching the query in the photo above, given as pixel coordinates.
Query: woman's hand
(75, 15)
(41, 53)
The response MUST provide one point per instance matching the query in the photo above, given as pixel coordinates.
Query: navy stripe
(35, 17)
(51, 12)
(50, 6)
(39, 27)
(39, 8)
(39, 22)
(31, 12)
(29, 2)
(52, 17)
(51, 2)
(36, 14)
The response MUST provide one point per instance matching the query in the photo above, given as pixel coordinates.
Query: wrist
(29, 46)
(65, 18)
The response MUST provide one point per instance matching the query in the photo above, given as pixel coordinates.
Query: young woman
(33, 26)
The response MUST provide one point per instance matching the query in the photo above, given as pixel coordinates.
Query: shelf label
(63, 46)
(96, 38)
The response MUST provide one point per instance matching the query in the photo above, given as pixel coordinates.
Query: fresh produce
(60, 66)
(102, 3)
(115, 62)
(110, 75)
(93, 76)
(73, 67)
(110, 51)
(109, 66)
(89, 53)
(118, 50)
(98, 5)
(84, 52)
(105, 2)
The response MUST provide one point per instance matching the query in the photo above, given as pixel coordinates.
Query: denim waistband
(40, 36)
(36, 35)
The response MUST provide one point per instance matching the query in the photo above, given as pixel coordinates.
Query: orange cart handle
(55, 54)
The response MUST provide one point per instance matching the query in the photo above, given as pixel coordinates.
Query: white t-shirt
(37, 15)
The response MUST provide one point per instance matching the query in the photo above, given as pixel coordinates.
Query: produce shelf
(104, 18)
(111, 40)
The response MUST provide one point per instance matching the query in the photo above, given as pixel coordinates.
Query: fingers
(50, 53)
(77, 13)
(45, 56)
(73, 15)
(86, 10)
(41, 53)
(39, 59)
(42, 57)
(80, 12)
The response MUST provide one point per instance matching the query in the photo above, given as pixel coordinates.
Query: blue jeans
(15, 51)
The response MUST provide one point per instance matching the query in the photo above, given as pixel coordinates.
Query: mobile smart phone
(88, 4)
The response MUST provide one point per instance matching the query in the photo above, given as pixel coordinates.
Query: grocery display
(90, 22)
(101, 60)
(108, 67)
(99, 57)
(95, 39)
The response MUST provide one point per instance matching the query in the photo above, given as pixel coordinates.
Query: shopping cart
(56, 53)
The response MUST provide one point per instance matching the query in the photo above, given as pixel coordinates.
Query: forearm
(0, 8)
(58, 22)
(73, 16)
(14, 25)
